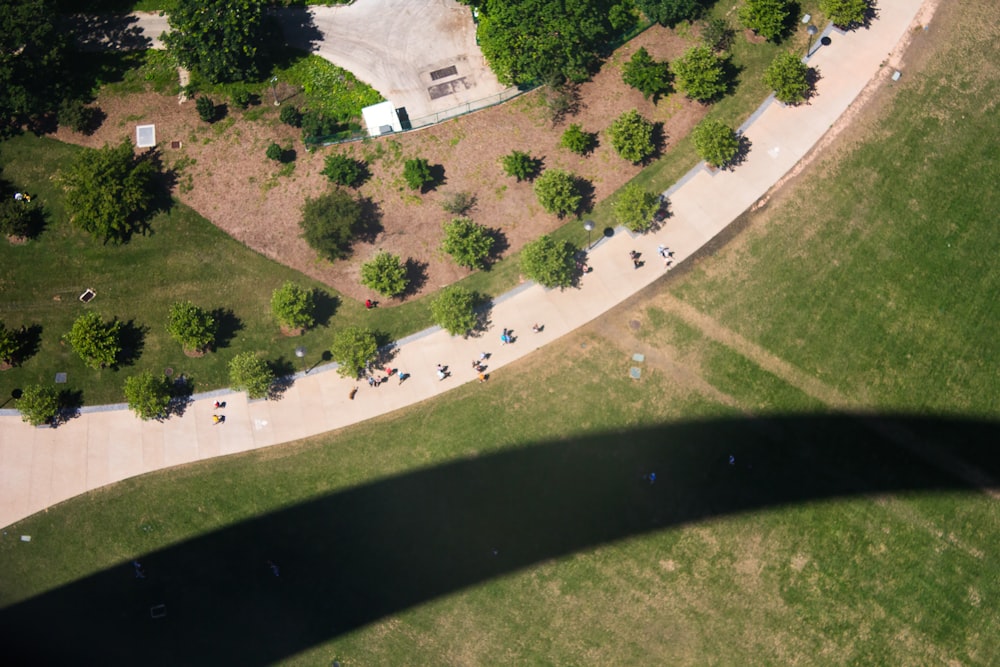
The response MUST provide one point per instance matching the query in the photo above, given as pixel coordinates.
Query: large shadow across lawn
(355, 556)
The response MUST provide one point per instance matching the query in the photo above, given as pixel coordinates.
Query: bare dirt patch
(227, 178)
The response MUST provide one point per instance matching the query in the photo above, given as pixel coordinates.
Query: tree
(670, 12)
(459, 203)
(77, 116)
(417, 173)
(206, 108)
(274, 151)
(16, 217)
(558, 192)
(716, 142)
(218, 38)
(468, 244)
(767, 18)
(294, 306)
(148, 395)
(290, 115)
(846, 13)
(353, 348)
(635, 207)
(250, 373)
(193, 327)
(717, 34)
(32, 50)
(385, 273)
(648, 76)
(454, 310)
(329, 223)
(97, 342)
(10, 345)
(578, 141)
(109, 191)
(521, 165)
(344, 170)
(39, 404)
(788, 77)
(701, 74)
(548, 262)
(632, 137)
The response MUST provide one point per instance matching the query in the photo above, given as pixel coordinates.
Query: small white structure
(381, 119)
(145, 136)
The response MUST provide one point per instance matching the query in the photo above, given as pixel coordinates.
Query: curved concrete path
(42, 466)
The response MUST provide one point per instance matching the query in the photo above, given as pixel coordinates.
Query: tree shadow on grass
(585, 189)
(326, 306)
(28, 341)
(133, 340)
(416, 276)
(228, 326)
(370, 223)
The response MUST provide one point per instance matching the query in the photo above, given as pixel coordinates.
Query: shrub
(578, 141)
(275, 152)
(250, 373)
(148, 395)
(548, 262)
(193, 327)
(385, 273)
(10, 345)
(648, 76)
(343, 170)
(459, 203)
(15, 217)
(77, 116)
(521, 165)
(353, 348)
(329, 223)
(454, 310)
(97, 342)
(316, 125)
(846, 13)
(635, 207)
(206, 109)
(468, 244)
(701, 74)
(39, 404)
(767, 18)
(717, 34)
(716, 142)
(290, 115)
(242, 97)
(632, 137)
(417, 173)
(788, 77)
(294, 306)
(557, 192)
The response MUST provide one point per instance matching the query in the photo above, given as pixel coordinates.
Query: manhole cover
(634, 325)
(60, 378)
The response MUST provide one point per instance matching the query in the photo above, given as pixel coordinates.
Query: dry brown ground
(233, 185)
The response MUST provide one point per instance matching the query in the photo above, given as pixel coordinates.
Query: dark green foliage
(717, 34)
(250, 373)
(788, 77)
(557, 192)
(468, 244)
(274, 152)
(10, 345)
(218, 38)
(148, 395)
(206, 109)
(632, 137)
(459, 203)
(701, 74)
(578, 141)
(548, 262)
(716, 142)
(294, 306)
(15, 217)
(846, 13)
(242, 97)
(290, 115)
(417, 173)
(385, 273)
(635, 207)
(39, 404)
(454, 310)
(329, 223)
(648, 76)
(97, 342)
(77, 116)
(191, 326)
(32, 52)
(670, 12)
(767, 18)
(521, 165)
(344, 170)
(109, 191)
(353, 348)
(316, 125)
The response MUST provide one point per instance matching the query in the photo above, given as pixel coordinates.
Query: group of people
(22, 196)
(217, 418)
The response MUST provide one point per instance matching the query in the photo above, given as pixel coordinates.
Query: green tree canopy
(148, 395)
(767, 18)
(294, 306)
(385, 273)
(344, 170)
(521, 165)
(716, 142)
(670, 12)
(557, 192)
(109, 191)
(32, 51)
(250, 373)
(219, 39)
(454, 310)
(191, 326)
(97, 342)
(39, 404)
(846, 13)
(417, 173)
(788, 77)
(632, 137)
(16, 217)
(329, 223)
(576, 139)
(701, 74)
(10, 345)
(468, 243)
(353, 348)
(635, 207)
(548, 262)
(650, 77)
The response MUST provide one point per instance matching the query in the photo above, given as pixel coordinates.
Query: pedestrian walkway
(43, 466)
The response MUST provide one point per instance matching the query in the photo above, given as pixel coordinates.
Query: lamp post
(589, 226)
(811, 30)
(274, 91)
(300, 352)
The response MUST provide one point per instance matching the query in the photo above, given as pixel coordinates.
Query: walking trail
(40, 467)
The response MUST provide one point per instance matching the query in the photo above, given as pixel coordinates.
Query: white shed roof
(381, 119)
